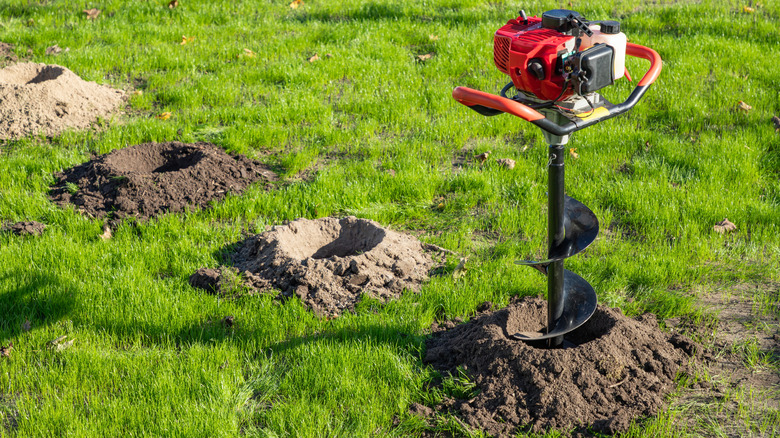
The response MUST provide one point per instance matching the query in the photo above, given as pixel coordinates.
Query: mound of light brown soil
(616, 369)
(328, 263)
(153, 178)
(48, 99)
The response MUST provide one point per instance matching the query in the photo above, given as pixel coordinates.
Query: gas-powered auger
(557, 63)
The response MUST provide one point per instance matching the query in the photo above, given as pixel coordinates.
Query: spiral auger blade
(581, 227)
(579, 303)
(576, 299)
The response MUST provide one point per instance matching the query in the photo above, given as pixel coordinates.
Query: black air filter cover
(558, 19)
(596, 65)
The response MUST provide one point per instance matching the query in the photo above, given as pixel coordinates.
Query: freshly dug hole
(48, 99)
(153, 178)
(329, 263)
(620, 369)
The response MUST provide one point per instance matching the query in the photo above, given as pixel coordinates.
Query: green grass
(150, 356)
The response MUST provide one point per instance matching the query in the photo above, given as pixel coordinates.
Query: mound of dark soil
(617, 369)
(153, 178)
(328, 263)
(30, 228)
(48, 99)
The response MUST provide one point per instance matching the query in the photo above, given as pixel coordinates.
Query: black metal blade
(579, 303)
(581, 227)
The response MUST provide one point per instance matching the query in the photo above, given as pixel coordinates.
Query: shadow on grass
(393, 12)
(41, 298)
(377, 333)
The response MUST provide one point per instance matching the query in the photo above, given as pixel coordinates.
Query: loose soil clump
(29, 228)
(616, 369)
(153, 178)
(48, 99)
(7, 55)
(328, 263)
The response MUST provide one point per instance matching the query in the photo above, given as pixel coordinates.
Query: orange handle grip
(471, 97)
(649, 54)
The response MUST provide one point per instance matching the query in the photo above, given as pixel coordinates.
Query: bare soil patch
(328, 263)
(29, 228)
(742, 392)
(615, 370)
(148, 179)
(48, 99)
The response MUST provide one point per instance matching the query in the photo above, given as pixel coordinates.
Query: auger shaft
(571, 227)
(555, 235)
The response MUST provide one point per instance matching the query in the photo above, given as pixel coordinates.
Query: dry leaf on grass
(506, 163)
(164, 116)
(57, 340)
(6, 351)
(55, 50)
(247, 54)
(425, 57)
(137, 92)
(724, 226)
(744, 107)
(460, 270)
(92, 13)
(107, 234)
(186, 40)
(64, 345)
(26, 326)
(316, 57)
(59, 345)
(776, 121)
(296, 4)
(748, 9)
(483, 156)
(433, 37)
(173, 3)
(573, 153)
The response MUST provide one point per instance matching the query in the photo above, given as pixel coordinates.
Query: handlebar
(490, 104)
(649, 54)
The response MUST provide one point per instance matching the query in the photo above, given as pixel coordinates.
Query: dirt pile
(48, 99)
(617, 369)
(153, 178)
(29, 228)
(328, 263)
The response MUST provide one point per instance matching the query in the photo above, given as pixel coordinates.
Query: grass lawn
(150, 355)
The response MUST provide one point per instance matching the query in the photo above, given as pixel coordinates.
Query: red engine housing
(517, 43)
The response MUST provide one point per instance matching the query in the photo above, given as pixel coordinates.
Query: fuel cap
(610, 27)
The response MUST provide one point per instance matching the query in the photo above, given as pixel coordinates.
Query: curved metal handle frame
(490, 104)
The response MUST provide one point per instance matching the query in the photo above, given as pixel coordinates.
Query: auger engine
(560, 54)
